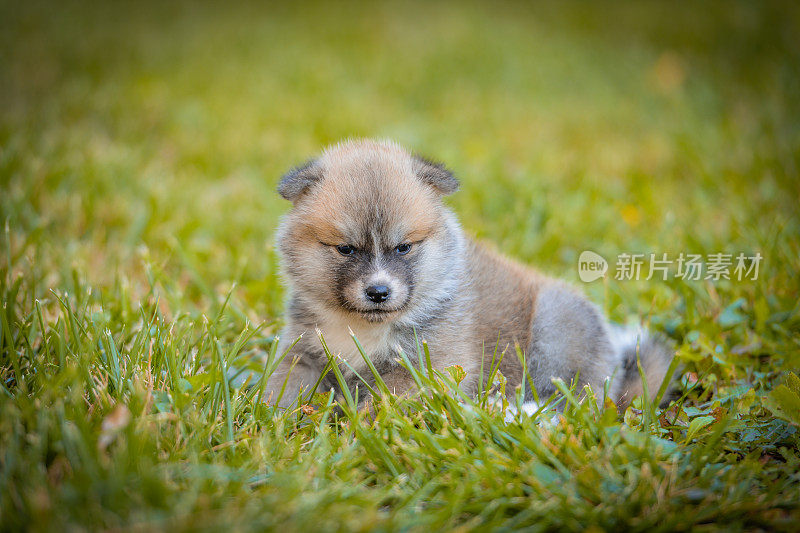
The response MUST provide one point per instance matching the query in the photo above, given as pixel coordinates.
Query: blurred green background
(141, 143)
(610, 127)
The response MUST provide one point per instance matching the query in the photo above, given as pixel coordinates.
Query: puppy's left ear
(297, 181)
(435, 175)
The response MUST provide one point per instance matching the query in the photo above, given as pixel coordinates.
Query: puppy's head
(368, 235)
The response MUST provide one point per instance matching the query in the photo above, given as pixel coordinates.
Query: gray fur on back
(569, 337)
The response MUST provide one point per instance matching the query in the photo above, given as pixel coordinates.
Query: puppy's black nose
(377, 293)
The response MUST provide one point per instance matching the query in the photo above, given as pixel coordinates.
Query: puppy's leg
(569, 338)
(652, 351)
(399, 381)
(290, 378)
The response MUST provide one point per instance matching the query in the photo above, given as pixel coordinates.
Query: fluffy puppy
(369, 247)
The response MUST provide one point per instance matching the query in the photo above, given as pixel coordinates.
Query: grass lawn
(140, 147)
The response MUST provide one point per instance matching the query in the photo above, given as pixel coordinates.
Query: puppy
(369, 247)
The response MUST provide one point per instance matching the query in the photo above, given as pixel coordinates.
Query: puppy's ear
(435, 175)
(297, 181)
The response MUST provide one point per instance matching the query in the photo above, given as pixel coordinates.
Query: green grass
(139, 151)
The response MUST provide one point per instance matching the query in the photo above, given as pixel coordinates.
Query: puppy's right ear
(297, 181)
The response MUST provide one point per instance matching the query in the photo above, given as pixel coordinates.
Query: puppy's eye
(345, 249)
(403, 249)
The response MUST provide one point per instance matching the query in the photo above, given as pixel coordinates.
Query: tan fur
(460, 297)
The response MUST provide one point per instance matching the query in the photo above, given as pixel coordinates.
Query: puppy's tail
(653, 353)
